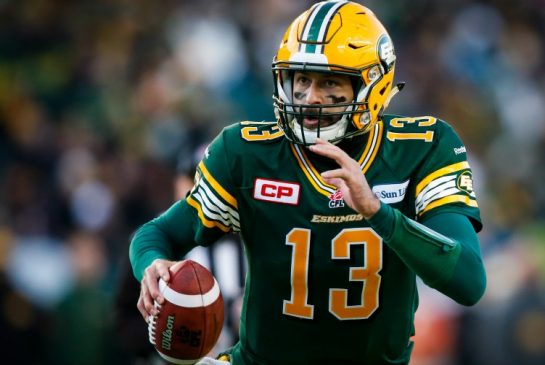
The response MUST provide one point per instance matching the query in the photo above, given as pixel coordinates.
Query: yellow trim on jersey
(217, 187)
(205, 222)
(372, 147)
(309, 174)
(451, 199)
(443, 171)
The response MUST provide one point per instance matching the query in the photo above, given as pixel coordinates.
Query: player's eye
(330, 83)
(302, 80)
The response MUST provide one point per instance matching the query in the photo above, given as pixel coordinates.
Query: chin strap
(393, 93)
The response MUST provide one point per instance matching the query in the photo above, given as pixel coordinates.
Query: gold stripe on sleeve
(450, 199)
(207, 223)
(443, 171)
(217, 187)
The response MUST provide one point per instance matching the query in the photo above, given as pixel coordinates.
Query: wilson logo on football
(276, 191)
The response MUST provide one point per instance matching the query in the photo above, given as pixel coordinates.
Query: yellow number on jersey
(426, 136)
(268, 131)
(368, 274)
(298, 305)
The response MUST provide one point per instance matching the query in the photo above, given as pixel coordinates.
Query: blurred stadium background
(104, 103)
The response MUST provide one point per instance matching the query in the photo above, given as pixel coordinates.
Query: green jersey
(322, 287)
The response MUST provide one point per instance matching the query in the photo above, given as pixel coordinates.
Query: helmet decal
(315, 30)
(386, 52)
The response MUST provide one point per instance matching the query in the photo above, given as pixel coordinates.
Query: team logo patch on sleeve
(451, 184)
(275, 191)
(465, 182)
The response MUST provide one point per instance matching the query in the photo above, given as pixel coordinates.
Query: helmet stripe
(315, 30)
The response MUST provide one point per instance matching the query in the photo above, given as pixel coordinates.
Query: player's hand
(349, 179)
(149, 286)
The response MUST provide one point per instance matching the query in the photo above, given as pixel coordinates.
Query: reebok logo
(277, 191)
(458, 150)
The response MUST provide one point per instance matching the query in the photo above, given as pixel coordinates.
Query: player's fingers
(174, 268)
(151, 280)
(333, 152)
(144, 304)
(352, 177)
(339, 178)
(145, 297)
(335, 181)
(337, 173)
(326, 149)
(330, 150)
(162, 267)
(142, 309)
(323, 148)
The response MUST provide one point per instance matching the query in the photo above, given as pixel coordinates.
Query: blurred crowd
(105, 104)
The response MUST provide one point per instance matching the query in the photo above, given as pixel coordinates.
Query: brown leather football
(191, 318)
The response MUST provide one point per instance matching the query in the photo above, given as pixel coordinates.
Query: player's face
(315, 88)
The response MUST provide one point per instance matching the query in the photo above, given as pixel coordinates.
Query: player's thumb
(174, 268)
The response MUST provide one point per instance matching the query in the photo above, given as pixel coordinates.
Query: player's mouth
(312, 122)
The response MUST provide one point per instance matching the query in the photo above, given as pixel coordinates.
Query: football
(191, 318)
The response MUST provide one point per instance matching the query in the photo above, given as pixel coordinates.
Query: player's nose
(314, 93)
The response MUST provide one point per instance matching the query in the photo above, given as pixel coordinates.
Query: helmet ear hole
(375, 107)
(383, 90)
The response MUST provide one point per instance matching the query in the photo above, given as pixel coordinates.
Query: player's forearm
(148, 243)
(468, 281)
(446, 259)
(166, 236)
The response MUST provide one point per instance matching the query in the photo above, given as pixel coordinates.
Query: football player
(340, 206)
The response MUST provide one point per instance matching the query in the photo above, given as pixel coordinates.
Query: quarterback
(340, 206)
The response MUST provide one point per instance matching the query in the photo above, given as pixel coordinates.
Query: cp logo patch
(277, 191)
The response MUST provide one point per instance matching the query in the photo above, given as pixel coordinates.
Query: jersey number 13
(298, 305)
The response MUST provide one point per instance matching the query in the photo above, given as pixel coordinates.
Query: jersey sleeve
(213, 197)
(207, 213)
(444, 183)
